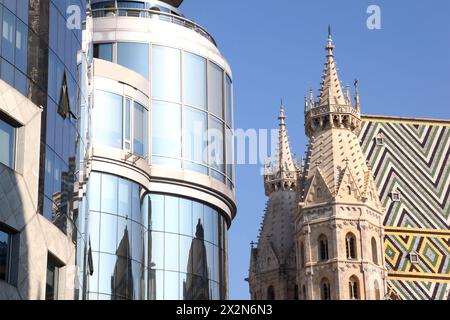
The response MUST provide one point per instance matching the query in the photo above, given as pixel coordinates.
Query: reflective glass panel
(108, 233)
(106, 271)
(140, 130)
(216, 144)
(103, 51)
(107, 119)
(171, 282)
(229, 103)
(166, 126)
(230, 154)
(109, 193)
(124, 205)
(157, 250)
(186, 217)
(94, 230)
(8, 35)
(94, 190)
(195, 138)
(171, 214)
(194, 80)
(157, 213)
(134, 56)
(7, 143)
(171, 252)
(21, 46)
(215, 90)
(4, 255)
(166, 74)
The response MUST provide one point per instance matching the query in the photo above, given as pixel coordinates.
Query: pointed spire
(331, 89)
(285, 159)
(312, 102)
(357, 100)
(306, 105)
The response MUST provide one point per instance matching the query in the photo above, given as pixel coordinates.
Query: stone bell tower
(339, 225)
(272, 274)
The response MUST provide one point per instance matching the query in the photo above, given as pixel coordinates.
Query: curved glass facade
(153, 246)
(191, 109)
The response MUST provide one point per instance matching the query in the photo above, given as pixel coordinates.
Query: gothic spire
(285, 161)
(331, 89)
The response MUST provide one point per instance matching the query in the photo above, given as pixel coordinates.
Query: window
(140, 130)
(216, 145)
(325, 291)
(379, 140)
(103, 51)
(166, 74)
(64, 103)
(319, 192)
(229, 103)
(296, 292)
(134, 56)
(7, 143)
(51, 289)
(304, 293)
(353, 287)
(195, 125)
(215, 90)
(5, 255)
(414, 257)
(194, 80)
(323, 248)
(374, 251)
(350, 246)
(166, 126)
(395, 196)
(21, 46)
(107, 123)
(271, 293)
(349, 190)
(8, 35)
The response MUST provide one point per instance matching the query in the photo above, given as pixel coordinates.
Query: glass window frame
(8, 264)
(13, 143)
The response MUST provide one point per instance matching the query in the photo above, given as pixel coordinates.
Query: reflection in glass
(216, 145)
(186, 217)
(109, 193)
(157, 250)
(171, 213)
(140, 130)
(196, 286)
(215, 90)
(171, 252)
(229, 103)
(124, 205)
(107, 119)
(171, 284)
(108, 233)
(107, 264)
(134, 56)
(194, 80)
(103, 51)
(122, 278)
(230, 155)
(195, 143)
(5, 247)
(166, 129)
(166, 77)
(157, 213)
(7, 143)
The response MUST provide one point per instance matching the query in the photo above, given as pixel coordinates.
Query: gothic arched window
(374, 251)
(271, 293)
(349, 190)
(350, 246)
(325, 290)
(296, 292)
(323, 248)
(319, 192)
(353, 288)
(304, 293)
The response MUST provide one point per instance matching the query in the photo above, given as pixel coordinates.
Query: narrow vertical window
(7, 143)
(323, 248)
(127, 126)
(140, 130)
(5, 255)
(51, 289)
(350, 243)
(271, 293)
(374, 251)
(325, 291)
(353, 287)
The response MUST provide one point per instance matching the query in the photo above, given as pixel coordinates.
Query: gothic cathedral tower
(273, 264)
(339, 225)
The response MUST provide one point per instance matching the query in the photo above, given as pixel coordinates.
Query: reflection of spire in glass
(196, 286)
(121, 280)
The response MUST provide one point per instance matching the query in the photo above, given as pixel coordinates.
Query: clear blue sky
(276, 49)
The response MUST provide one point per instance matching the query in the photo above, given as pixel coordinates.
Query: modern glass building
(159, 175)
(40, 99)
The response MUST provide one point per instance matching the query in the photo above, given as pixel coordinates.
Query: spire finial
(306, 105)
(357, 100)
(329, 32)
(282, 116)
(330, 46)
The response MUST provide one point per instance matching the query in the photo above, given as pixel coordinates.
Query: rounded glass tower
(159, 175)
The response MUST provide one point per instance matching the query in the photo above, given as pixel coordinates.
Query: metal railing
(152, 14)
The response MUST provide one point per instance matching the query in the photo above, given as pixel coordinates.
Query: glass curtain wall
(153, 246)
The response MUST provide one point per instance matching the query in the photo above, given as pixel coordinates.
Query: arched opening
(374, 251)
(325, 289)
(353, 287)
(271, 293)
(350, 246)
(323, 248)
(349, 190)
(319, 192)
(296, 292)
(304, 293)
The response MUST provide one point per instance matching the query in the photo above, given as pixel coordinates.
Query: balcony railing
(152, 14)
